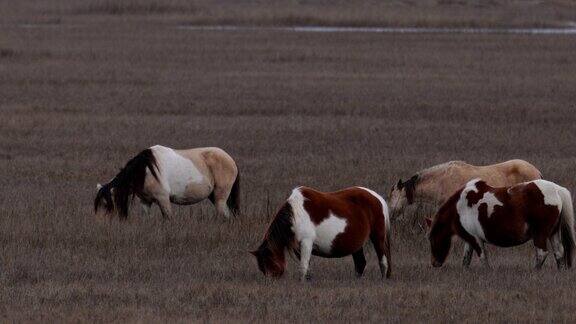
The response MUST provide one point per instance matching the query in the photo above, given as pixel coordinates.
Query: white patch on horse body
(302, 225)
(327, 231)
(469, 215)
(491, 201)
(176, 171)
(385, 210)
(550, 192)
(323, 234)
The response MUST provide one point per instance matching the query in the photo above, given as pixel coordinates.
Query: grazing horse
(331, 225)
(163, 176)
(436, 184)
(539, 210)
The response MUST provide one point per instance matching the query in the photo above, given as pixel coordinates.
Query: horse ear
(98, 186)
(428, 221)
(399, 185)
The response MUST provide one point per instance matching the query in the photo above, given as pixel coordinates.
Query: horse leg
(467, 255)
(219, 198)
(165, 207)
(484, 256)
(556, 244)
(223, 209)
(305, 254)
(359, 262)
(378, 243)
(146, 205)
(541, 252)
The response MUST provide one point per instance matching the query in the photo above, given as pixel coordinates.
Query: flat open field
(431, 13)
(77, 100)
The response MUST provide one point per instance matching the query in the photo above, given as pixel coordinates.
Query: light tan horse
(163, 176)
(436, 184)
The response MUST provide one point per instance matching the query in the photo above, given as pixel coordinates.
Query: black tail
(568, 244)
(233, 200)
(127, 183)
(567, 226)
(387, 253)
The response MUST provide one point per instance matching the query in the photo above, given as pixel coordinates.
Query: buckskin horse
(436, 184)
(331, 225)
(539, 210)
(162, 175)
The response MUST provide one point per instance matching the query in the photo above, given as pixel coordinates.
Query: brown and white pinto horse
(436, 184)
(331, 225)
(539, 210)
(163, 176)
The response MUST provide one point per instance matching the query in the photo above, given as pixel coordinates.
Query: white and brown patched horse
(162, 175)
(538, 210)
(436, 184)
(331, 225)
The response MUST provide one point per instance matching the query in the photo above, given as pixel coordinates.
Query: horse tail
(387, 240)
(130, 180)
(233, 201)
(567, 226)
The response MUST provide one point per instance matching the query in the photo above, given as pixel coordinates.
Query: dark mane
(410, 188)
(127, 183)
(280, 234)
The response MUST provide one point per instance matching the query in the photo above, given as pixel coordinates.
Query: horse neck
(424, 189)
(276, 245)
(280, 234)
(448, 215)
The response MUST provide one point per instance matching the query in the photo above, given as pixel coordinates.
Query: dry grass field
(81, 95)
(438, 13)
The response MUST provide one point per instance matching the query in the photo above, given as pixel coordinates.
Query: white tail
(567, 225)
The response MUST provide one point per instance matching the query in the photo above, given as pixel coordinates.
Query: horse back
(214, 163)
(516, 171)
(353, 203)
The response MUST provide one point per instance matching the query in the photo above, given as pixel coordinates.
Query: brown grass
(134, 7)
(421, 13)
(325, 110)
